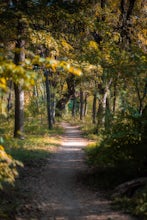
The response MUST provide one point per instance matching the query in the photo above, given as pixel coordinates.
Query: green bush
(122, 147)
(121, 155)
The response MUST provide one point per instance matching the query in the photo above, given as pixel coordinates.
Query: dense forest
(84, 62)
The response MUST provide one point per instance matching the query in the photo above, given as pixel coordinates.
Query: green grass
(38, 144)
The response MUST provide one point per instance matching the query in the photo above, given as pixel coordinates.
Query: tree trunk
(85, 104)
(114, 97)
(140, 98)
(60, 106)
(74, 100)
(81, 104)
(107, 114)
(74, 106)
(19, 112)
(36, 97)
(103, 104)
(144, 125)
(99, 116)
(130, 8)
(126, 9)
(9, 105)
(94, 108)
(48, 97)
(129, 188)
(53, 107)
(19, 93)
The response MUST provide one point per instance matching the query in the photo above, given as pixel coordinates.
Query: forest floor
(54, 190)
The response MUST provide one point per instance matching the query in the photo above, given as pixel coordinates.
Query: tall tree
(19, 92)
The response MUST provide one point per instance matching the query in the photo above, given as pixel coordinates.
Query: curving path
(56, 192)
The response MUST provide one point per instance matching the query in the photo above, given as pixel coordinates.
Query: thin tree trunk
(53, 107)
(81, 104)
(144, 125)
(107, 114)
(74, 106)
(94, 108)
(36, 96)
(102, 110)
(114, 98)
(85, 105)
(9, 105)
(123, 101)
(140, 99)
(130, 8)
(19, 112)
(126, 8)
(74, 100)
(99, 116)
(48, 96)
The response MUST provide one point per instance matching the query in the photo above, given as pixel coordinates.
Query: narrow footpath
(56, 192)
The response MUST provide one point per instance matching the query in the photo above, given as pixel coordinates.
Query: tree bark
(130, 9)
(99, 116)
(53, 107)
(36, 97)
(144, 125)
(140, 98)
(48, 96)
(9, 105)
(19, 112)
(85, 104)
(126, 8)
(103, 105)
(81, 104)
(60, 106)
(114, 97)
(107, 114)
(19, 93)
(128, 188)
(74, 102)
(94, 108)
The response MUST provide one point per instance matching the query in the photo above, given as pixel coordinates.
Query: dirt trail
(56, 192)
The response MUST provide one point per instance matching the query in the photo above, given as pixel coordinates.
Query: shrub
(122, 146)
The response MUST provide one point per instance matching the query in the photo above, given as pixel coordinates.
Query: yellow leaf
(19, 70)
(66, 45)
(1, 147)
(93, 45)
(3, 84)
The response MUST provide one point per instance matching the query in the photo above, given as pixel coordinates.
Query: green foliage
(33, 150)
(121, 146)
(8, 168)
(111, 51)
(136, 204)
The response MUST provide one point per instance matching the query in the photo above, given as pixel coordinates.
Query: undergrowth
(38, 145)
(137, 204)
(118, 155)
